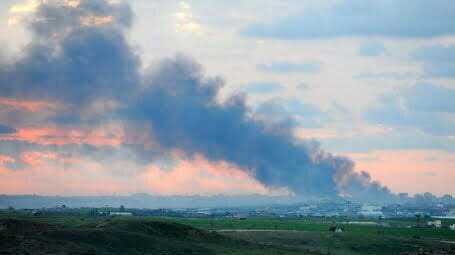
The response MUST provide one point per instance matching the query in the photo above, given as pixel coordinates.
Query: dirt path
(255, 230)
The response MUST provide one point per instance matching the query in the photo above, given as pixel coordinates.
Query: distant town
(422, 207)
(417, 225)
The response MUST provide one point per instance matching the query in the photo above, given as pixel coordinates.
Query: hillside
(109, 237)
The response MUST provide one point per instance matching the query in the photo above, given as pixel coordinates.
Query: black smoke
(7, 130)
(70, 62)
(173, 106)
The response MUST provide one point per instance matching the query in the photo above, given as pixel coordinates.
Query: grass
(339, 244)
(161, 235)
(398, 228)
(79, 235)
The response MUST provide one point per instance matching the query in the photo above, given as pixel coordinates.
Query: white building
(338, 230)
(452, 227)
(371, 211)
(120, 214)
(436, 223)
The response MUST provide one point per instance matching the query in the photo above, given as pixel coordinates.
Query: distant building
(436, 223)
(371, 223)
(120, 214)
(238, 217)
(452, 227)
(338, 230)
(37, 213)
(371, 211)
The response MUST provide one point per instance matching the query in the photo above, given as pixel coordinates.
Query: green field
(160, 235)
(397, 228)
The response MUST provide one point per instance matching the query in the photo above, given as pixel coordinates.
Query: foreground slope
(112, 236)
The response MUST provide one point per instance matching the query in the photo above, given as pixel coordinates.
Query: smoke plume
(79, 58)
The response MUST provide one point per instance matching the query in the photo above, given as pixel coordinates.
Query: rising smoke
(79, 57)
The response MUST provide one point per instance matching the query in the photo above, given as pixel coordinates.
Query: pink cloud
(413, 171)
(37, 158)
(200, 176)
(61, 136)
(5, 159)
(340, 132)
(50, 175)
(32, 106)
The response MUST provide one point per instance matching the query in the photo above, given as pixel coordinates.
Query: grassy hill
(19, 236)
(254, 236)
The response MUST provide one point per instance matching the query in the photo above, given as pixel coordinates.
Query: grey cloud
(304, 115)
(405, 18)
(54, 18)
(424, 106)
(399, 139)
(303, 85)
(430, 98)
(6, 130)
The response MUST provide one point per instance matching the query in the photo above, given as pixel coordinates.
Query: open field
(160, 235)
(395, 227)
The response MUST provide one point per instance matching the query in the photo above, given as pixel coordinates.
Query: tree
(93, 212)
(418, 217)
(122, 208)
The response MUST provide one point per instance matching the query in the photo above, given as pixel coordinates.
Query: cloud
(32, 106)
(430, 174)
(263, 87)
(186, 22)
(424, 107)
(199, 176)
(46, 136)
(37, 158)
(390, 18)
(94, 76)
(430, 98)
(303, 85)
(287, 67)
(389, 75)
(6, 130)
(296, 107)
(56, 18)
(27, 7)
(371, 49)
(398, 139)
(117, 160)
(437, 60)
(304, 115)
(410, 167)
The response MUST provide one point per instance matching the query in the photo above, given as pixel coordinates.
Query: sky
(369, 81)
